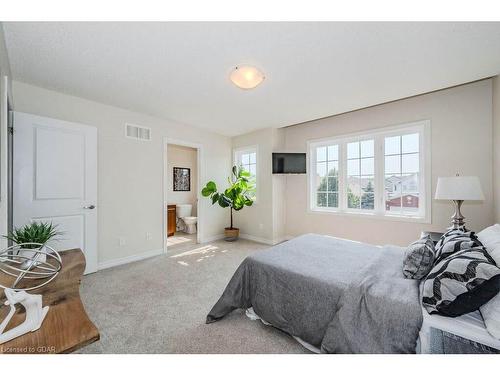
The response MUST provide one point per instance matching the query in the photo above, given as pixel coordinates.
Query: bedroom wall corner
(496, 147)
(130, 173)
(461, 141)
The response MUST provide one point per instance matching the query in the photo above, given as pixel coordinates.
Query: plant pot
(231, 234)
(30, 258)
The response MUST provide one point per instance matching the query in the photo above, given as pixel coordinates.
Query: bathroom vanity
(171, 219)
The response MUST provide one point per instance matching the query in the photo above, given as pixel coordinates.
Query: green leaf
(215, 198)
(205, 192)
(211, 185)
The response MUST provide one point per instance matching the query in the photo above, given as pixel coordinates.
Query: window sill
(371, 215)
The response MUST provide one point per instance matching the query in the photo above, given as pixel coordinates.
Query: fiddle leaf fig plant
(238, 195)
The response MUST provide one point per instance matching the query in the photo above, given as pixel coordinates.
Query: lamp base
(458, 220)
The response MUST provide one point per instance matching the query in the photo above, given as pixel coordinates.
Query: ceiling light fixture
(246, 77)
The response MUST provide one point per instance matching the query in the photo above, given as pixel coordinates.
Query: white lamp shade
(463, 188)
(246, 77)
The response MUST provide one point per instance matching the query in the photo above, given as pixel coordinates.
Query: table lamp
(459, 189)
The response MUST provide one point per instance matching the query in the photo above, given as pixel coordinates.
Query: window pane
(367, 166)
(333, 152)
(368, 184)
(392, 164)
(321, 199)
(410, 163)
(367, 148)
(353, 200)
(252, 169)
(392, 185)
(245, 158)
(253, 158)
(410, 143)
(393, 204)
(333, 200)
(321, 169)
(410, 183)
(321, 154)
(323, 184)
(367, 201)
(410, 203)
(333, 184)
(410, 196)
(353, 167)
(392, 145)
(333, 168)
(353, 150)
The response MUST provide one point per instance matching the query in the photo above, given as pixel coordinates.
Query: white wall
(4, 93)
(184, 157)
(264, 221)
(496, 146)
(461, 133)
(256, 221)
(130, 175)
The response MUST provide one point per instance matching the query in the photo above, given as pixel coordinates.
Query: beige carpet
(159, 305)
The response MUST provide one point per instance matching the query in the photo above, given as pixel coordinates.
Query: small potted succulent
(238, 195)
(28, 237)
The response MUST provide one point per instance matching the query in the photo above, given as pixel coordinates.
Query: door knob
(89, 207)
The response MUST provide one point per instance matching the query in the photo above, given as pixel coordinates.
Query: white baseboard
(256, 239)
(216, 237)
(129, 259)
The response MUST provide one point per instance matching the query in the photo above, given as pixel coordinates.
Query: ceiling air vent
(140, 133)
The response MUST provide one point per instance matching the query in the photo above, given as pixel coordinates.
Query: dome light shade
(246, 77)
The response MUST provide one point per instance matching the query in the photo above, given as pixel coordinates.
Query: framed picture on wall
(182, 179)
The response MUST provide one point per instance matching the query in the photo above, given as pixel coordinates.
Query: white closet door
(55, 180)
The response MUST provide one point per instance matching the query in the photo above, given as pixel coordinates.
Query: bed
(337, 295)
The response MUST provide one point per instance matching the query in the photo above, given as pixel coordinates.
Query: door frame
(199, 173)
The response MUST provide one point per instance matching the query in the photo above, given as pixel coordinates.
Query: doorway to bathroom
(181, 188)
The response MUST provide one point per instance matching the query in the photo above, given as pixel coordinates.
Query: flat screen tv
(289, 163)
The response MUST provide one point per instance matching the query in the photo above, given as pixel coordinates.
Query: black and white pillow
(455, 240)
(419, 258)
(461, 283)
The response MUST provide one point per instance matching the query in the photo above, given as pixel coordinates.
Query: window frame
(378, 135)
(238, 152)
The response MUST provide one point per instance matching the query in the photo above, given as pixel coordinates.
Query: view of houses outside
(401, 179)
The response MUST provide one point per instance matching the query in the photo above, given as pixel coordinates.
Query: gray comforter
(340, 295)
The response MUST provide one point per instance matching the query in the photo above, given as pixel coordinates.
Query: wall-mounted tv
(289, 162)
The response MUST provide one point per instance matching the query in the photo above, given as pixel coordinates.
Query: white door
(55, 180)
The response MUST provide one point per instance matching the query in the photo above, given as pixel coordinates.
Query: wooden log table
(66, 327)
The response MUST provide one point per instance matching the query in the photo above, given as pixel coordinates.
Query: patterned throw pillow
(455, 240)
(461, 283)
(419, 258)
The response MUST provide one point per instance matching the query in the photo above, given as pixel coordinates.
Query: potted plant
(236, 196)
(30, 237)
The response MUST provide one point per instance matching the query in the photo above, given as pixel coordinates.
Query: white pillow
(490, 238)
(491, 316)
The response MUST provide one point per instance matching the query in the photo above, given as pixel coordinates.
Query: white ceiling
(180, 71)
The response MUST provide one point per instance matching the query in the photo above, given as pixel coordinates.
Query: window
(247, 159)
(327, 167)
(382, 174)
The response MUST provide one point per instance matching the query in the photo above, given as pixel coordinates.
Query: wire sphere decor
(31, 265)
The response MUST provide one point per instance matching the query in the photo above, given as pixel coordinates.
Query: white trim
(421, 127)
(262, 240)
(257, 239)
(129, 259)
(213, 238)
(200, 172)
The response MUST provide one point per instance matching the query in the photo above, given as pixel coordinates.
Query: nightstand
(435, 236)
